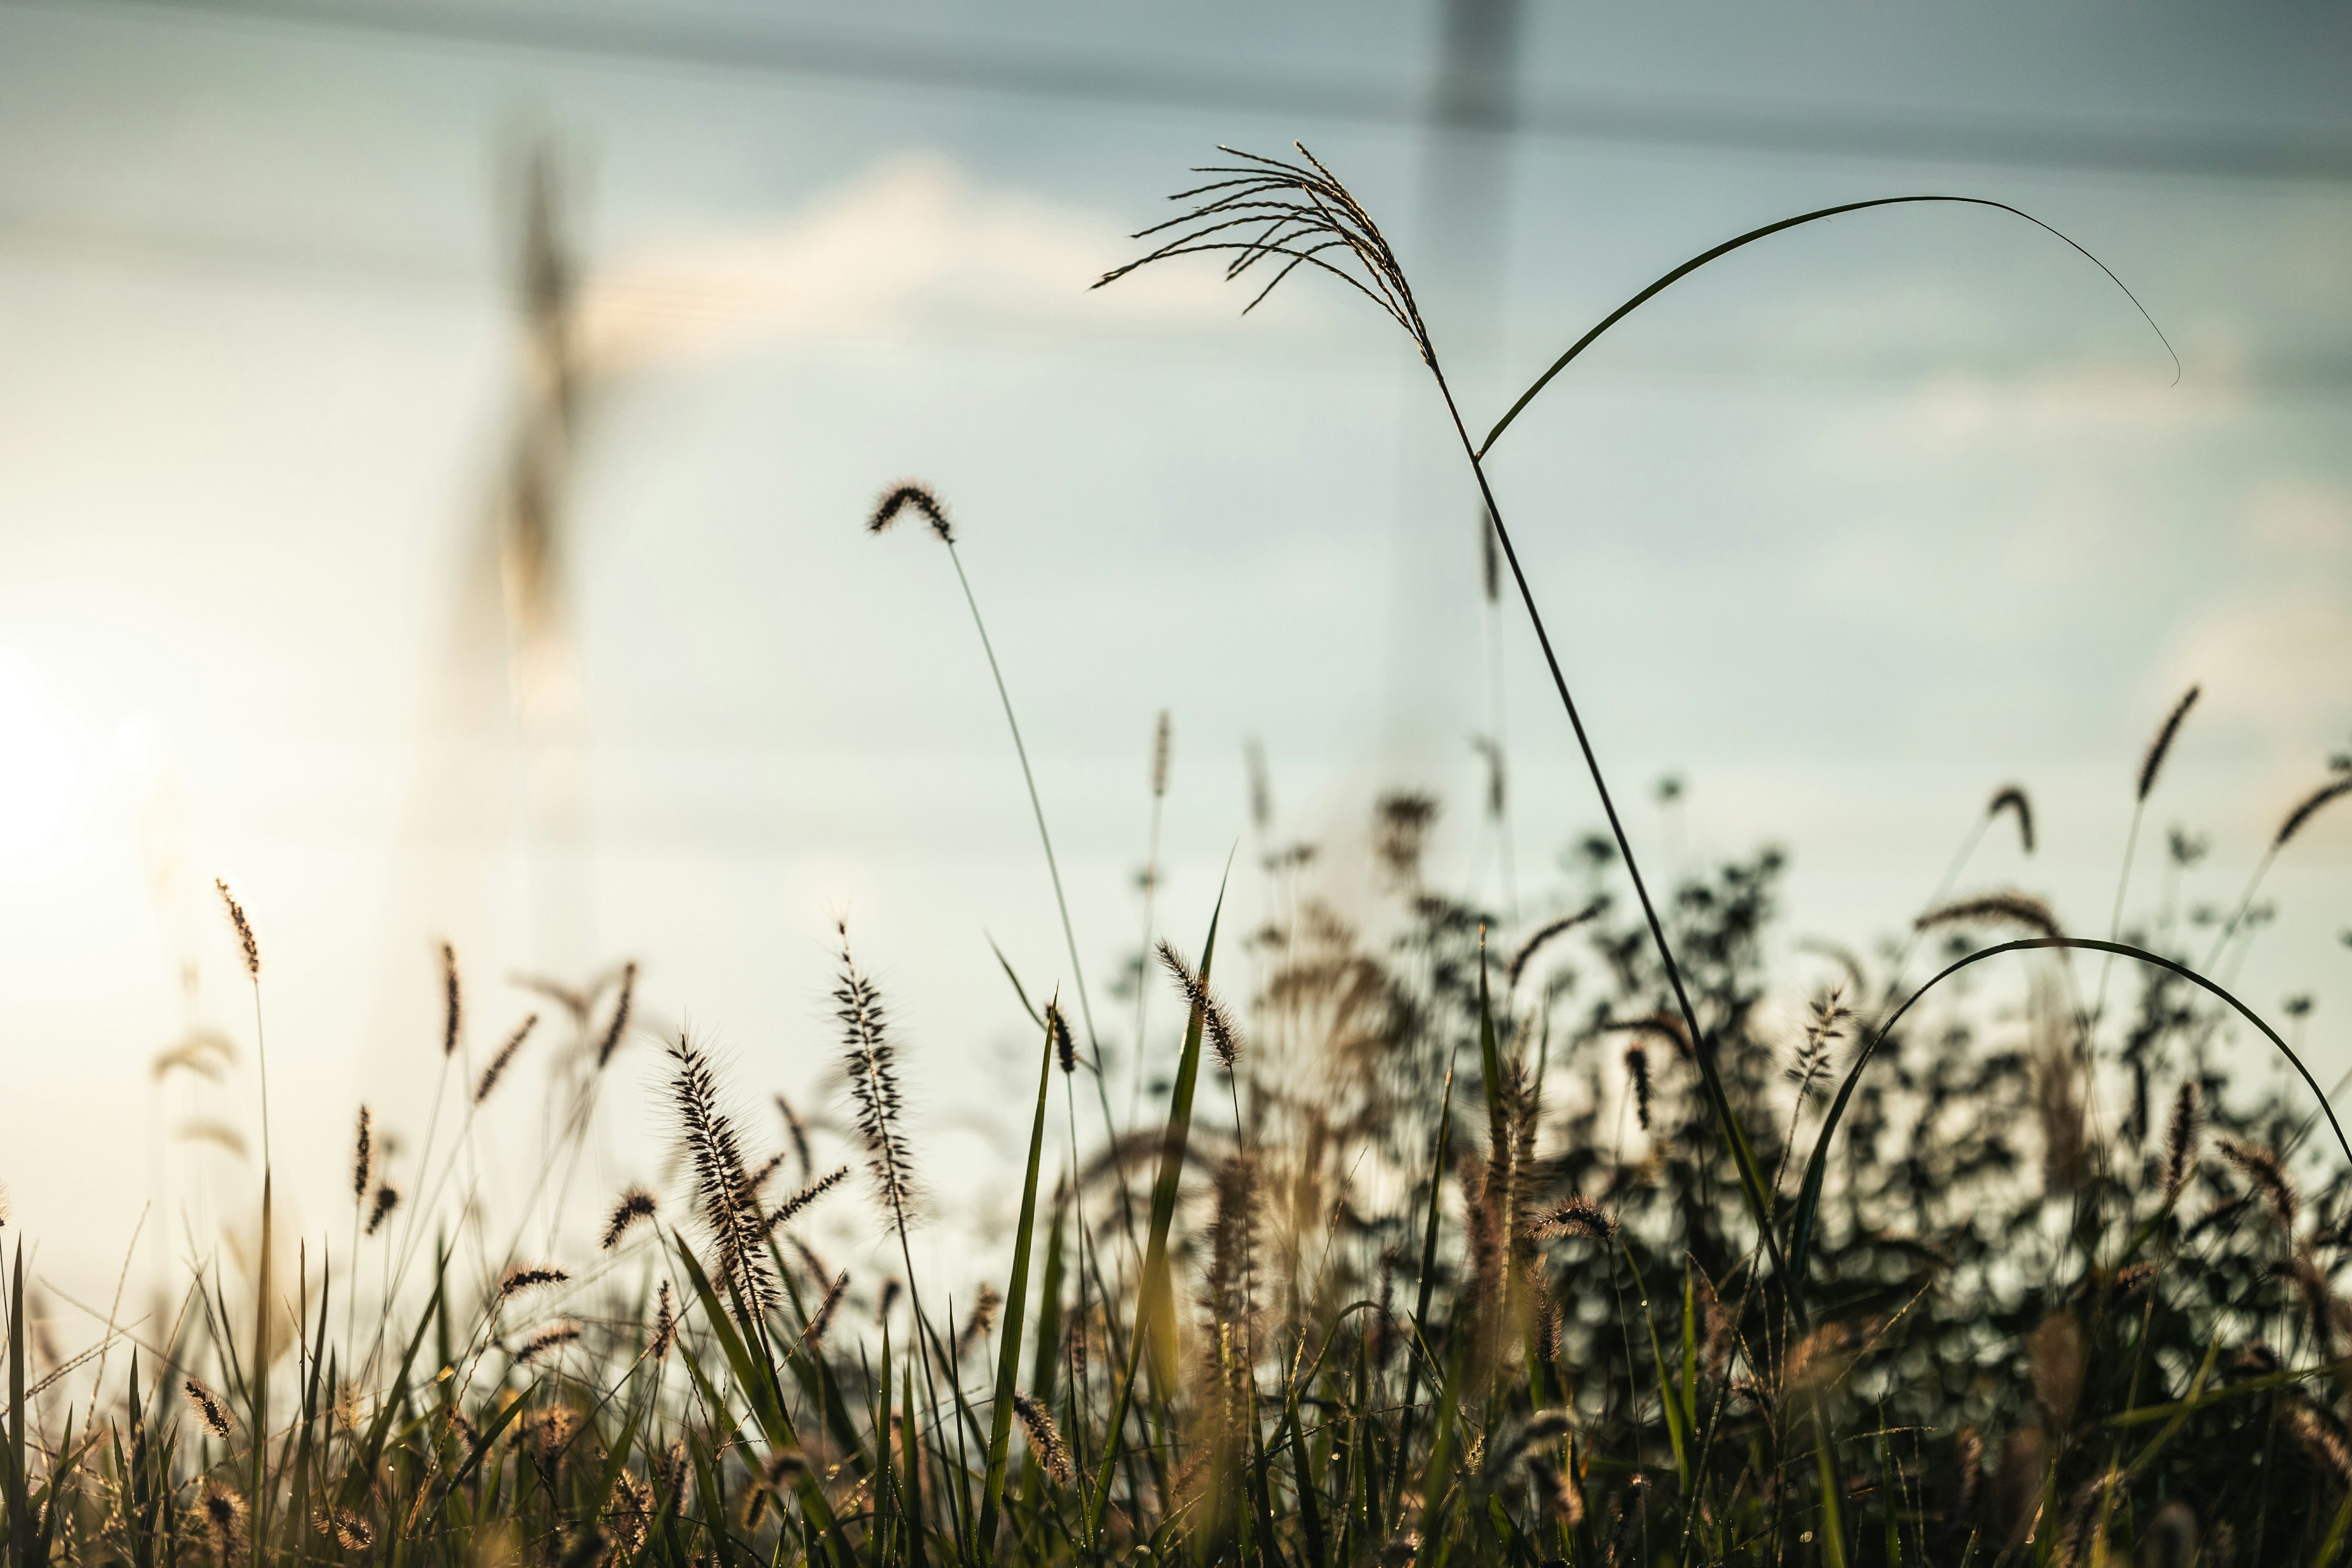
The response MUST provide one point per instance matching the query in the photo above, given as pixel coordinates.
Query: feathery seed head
(2180, 1141)
(713, 1149)
(1224, 1035)
(2263, 1168)
(908, 495)
(1576, 1216)
(208, 1408)
(2310, 806)
(791, 1208)
(224, 1510)
(664, 1328)
(453, 1001)
(498, 1064)
(635, 1204)
(247, 947)
(1161, 739)
(362, 1156)
(546, 1341)
(2012, 798)
(524, 1277)
(1637, 1073)
(870, 1062)
(1286, 215)
(617, 1029)
(1543, 936)
(1044, 1439)
(2156, 748)
(1065, 1048)
(387, 1199)
(2009, 907)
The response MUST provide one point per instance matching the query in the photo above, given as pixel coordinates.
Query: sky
(1844, 532)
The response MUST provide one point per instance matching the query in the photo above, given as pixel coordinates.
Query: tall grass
(1486, 1252)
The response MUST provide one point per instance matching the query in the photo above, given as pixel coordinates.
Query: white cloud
(911, 241)
(2280, 662)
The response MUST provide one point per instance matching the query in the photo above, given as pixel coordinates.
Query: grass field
(1440, 1239)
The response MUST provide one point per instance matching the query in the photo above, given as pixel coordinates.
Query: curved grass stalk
(1816, 1167)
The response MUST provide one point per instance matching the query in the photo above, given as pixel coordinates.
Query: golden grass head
(223, 1509)
(247, 946)
(347, 1530)
(1224, 1035)
(208, 1408)
(909, 495)
(1044, 1439)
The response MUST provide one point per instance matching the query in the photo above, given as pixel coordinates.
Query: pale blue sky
(1847, 531)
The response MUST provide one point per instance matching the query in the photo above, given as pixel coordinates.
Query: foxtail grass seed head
(224, 1510)
(798, 1132)
(869, 1060)
(784, 1467)
(2158, 748)
(618, 1028)
(546, 1343)
(1161, 739)
(362, 1156)
(822, 1319)
(247, 947)
(528, 1277)
(2312, 806)
(2267, 1173)
(1637, 1074)
(453, 1002)
(387, 1199)
(345, 1529)
(1065, 1048)
(665, 1330)
(1261, 787)
(907, 495)
(2007, 907)
(1559, 1497)
(1224, 1035)
(1573, 1216)
(723, 1198)
(1543, 937)
(2180, 1141)
(499, 1063)
(635, 1204)
(1044, 1439)
(792, 1207)
(209, 1408)
(2012, 798)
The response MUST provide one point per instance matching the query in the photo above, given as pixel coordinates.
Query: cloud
(2280, 662)
(912, 242)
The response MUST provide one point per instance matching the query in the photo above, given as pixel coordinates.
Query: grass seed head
(2162, 744)
(247, 948)
(908, 495)
(635, 1204)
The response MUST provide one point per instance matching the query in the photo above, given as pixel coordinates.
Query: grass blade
(1016, 1299)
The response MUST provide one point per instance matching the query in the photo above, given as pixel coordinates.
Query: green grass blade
(1017, 1300)
(1751, 237)
(1155, 1282)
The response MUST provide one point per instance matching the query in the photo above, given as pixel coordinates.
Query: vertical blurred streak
(543, 674)
(494, 846)
(1444, 676)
